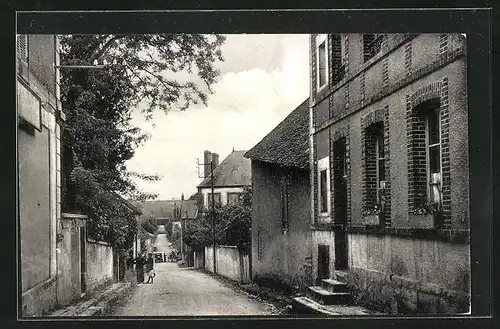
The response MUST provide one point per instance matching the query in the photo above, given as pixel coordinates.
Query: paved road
(183, 291)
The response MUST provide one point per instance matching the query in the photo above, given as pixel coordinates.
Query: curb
(97, 306)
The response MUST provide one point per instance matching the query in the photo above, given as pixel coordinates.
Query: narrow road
(186, 292)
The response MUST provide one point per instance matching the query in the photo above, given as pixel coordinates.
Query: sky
(263, 79)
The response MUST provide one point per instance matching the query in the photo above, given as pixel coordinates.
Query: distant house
(166, 211)
(281, 201)
(230, 178)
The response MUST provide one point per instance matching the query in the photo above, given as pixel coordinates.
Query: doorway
(83, 263)
(323, 262)
(340, 203)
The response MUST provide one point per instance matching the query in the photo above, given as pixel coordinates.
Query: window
(322, 61)
(372, 44)
(374, 169)
(22, 47)
(323, 191)
(216, 199)
(324, 186)
(233, 198)
(284, 190)
(380, 157)
(433, 145)
(259, 245)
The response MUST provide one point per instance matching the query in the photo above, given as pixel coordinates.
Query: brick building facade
(389, 168)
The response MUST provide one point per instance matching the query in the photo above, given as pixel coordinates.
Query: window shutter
(22, 47)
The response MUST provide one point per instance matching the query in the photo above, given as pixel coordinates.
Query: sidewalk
(96, 305)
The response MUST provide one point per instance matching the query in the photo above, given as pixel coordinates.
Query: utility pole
(211, 164)
(182, 227)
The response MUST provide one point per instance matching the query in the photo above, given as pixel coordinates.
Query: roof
(235, 170)
(165, 208)
(288, 143)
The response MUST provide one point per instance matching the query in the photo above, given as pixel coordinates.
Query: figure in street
(139, 266)
(150, 268)
(130, 275)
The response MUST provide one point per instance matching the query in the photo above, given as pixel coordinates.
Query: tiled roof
(165, 208)
(287, 144)
(235, 170)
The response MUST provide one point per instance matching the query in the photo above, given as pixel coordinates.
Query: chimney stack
(207, 157)
(215, 159)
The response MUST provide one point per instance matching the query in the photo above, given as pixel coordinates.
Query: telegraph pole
(211, 164)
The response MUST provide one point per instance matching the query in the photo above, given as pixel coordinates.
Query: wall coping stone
(446, 235)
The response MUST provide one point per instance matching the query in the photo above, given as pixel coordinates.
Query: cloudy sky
(264, 78)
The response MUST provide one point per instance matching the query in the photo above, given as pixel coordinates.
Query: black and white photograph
(243, 174)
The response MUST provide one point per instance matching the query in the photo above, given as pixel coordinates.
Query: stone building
(39, 119)
(231, 176)
(281, 202)
(389, 169)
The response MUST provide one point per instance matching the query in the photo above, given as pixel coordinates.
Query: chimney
(207, 157)
(215, 159)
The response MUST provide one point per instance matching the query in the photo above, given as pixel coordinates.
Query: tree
(232, 225)
(98, 137)
(149, 224)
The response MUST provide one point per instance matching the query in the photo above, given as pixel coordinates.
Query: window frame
(319, 41)
(238, 197)
(324, 165)
(285, 202)
(428, 147)
(209, 202)
(379, 139)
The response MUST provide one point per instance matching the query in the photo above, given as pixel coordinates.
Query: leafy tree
(98, 137)
(149, 224)
(232, 225)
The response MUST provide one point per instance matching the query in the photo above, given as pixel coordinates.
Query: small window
(217, 199)
(233, 198)
(379, 153)
(324, 186)
(259, 245)
(324, 191)
(22, 47)
(285, 220)
(322, 61)
(434, 157)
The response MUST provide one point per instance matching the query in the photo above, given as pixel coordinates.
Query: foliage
(98, 136)
(149, 224)
(232, 225)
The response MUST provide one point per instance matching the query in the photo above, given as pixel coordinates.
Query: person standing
(139, 267)
(150, 268)
(130, 275)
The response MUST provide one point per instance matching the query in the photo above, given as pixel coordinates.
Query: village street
(180, 291)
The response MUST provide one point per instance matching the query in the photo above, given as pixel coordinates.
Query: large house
(231, 176)
(390, 170)
(281, 202)
(39, 118)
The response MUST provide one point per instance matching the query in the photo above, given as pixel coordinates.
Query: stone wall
(408, 275)
(99, 264)
(279, 252)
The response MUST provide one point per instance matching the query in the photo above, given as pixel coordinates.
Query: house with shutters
(281, 207)
(390, 170)
(230, 177)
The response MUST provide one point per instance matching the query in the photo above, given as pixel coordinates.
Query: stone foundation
(40, 299)
(398, 295)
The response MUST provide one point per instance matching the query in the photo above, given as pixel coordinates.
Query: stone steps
(326, 297)
(305, 305)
